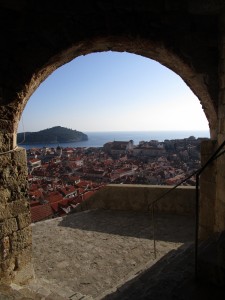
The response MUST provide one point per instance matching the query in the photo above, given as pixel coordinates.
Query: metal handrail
(197, 173)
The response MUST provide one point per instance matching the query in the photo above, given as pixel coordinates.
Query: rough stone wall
(212, 187)
(220, 181)
(15, 233)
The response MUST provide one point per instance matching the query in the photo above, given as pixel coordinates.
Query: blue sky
(113, 91)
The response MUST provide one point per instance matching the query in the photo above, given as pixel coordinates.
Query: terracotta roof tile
(41, 212)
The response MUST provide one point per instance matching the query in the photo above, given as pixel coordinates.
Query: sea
(98, 139)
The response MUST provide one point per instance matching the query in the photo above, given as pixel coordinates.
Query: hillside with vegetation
(52, 135)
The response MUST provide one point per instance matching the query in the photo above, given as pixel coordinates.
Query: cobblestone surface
(89, 254)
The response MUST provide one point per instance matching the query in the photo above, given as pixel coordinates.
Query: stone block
(208, 175)
(6, 126)
(21, 239)
(221, 138)
(6, 140)
(208, 146)
(24, 257)
(5, 194)
(24, 220)
(24, 275)
(18, 207)
(8, 227)
(4, 247)
(13, 176)
(4, 212)
(208, 189)
(7, 268)
(222, 124)
(19, 157)
(221, 167)
(207, 149)
(5, 160)
(207, 214)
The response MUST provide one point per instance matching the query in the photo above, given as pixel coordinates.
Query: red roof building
(41, 212)
(53, 197)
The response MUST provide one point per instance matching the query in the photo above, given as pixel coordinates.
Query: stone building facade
(37, 37)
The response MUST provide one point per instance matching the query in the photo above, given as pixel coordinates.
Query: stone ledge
(140, 197)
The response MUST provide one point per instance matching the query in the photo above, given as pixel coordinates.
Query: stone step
(11, 292)
(211, 260)
(35, 291)
(173, 276)
(159, 280)
(46, 288)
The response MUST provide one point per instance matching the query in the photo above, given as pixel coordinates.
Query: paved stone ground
(88, 255)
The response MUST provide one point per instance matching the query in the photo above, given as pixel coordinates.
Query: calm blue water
(98, 139)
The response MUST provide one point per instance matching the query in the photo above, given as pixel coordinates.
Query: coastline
(98, 139)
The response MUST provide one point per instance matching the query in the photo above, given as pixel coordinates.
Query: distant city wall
(140, 197)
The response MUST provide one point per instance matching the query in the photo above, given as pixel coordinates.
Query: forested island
(52, 135)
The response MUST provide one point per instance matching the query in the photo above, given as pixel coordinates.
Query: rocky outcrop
(52, 135)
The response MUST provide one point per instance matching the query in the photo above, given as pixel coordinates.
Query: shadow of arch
(152, 50)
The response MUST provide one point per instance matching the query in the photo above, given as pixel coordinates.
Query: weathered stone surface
(7, 267)
(19, 207)
(21, 239)
(13, 209)
(93, 252)
(24, 220)
(4, 247)
(13, 176)
(5, 194)
(8, 227)
(24, 257)
(139, 198)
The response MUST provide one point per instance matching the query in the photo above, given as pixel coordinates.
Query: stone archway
(152, 50)
(141, 47)
(185, 36)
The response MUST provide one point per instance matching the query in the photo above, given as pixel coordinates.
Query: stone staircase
(171, 278)
(37, 291)
(211, 260)
(159, 281)
(155, 282)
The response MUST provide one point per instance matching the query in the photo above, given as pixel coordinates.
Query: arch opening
(122, 85)
(153, 51)
(39, 39)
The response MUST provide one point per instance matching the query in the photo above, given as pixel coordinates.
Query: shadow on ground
(170, 228)
(171, 278)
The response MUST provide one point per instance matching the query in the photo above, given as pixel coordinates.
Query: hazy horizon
(121, 131)
(113, 91)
